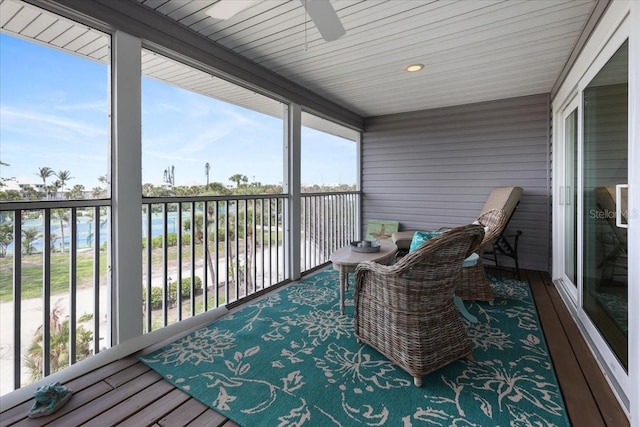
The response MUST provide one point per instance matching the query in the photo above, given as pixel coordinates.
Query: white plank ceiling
(473, 51)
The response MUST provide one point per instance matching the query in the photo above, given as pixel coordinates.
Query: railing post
(46, 293)
(292, 160)
(126, 188)
(358, 197)
(17, 296)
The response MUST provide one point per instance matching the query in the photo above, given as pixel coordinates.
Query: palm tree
(29, 236)
(58, 345)
(64, 176)
(44, 173)
(199, 238)
(63, 216)
(207, 168)
(6, 237)
(238, 178)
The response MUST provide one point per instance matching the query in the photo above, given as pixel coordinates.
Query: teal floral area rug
(291, 359)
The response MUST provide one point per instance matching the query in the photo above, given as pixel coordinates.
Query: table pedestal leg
(463, 310)
(343, 286)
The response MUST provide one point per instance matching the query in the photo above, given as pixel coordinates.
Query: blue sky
(53, 112)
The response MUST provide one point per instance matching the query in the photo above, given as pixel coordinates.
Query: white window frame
(613, 29)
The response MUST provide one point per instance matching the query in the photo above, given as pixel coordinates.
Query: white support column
(292, 159)
(126, 188)
(359, 184)
(634, 215)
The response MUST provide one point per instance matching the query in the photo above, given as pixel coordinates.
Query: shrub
(185, 291)
(172, 240)
(185, 287)
(156, 297)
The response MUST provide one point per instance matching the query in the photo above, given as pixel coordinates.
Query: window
(54, 147)
(202, 135)
(54, 131)
(329, 156)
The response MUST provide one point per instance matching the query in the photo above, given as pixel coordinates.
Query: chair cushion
(471, 260)
(402, 239)
(420, 237)
(476, 222)
(505, 198)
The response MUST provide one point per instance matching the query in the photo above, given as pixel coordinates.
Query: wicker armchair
(406, 311)
(473, 283)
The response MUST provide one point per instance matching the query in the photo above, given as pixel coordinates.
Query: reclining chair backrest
(505, 198)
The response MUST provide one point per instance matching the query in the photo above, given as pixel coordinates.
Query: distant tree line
(58, 189)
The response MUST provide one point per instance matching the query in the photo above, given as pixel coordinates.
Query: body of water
(85, 231)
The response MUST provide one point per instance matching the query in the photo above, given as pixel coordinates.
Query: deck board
(209, 418)
(77, 402)
(135, 404)
(90, 379)
(607, 403)
(128, 393)
(156, 410)
(125, 375)
(183, 414)
(581, 405)
(96, 407)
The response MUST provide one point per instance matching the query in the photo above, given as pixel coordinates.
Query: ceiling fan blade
(324, 18)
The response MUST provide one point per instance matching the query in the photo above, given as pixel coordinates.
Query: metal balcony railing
(328, 222)
(238, 249)
(53, 281)
(198, 253)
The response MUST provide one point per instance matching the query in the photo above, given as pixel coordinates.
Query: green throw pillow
(420, 237)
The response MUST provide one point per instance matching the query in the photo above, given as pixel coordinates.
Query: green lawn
(32, 269)
(32, 274)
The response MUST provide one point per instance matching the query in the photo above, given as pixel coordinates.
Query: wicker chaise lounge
(473, 283)
(406, 311)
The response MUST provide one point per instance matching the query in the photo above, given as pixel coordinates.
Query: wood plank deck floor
(128, 393)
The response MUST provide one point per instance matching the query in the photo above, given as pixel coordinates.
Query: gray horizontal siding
(436, 168)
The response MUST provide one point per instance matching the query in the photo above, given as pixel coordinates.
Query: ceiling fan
(324, 18)
(321, 13)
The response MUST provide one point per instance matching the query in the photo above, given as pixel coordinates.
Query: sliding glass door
(604, 198)
(569, 197)
(591, 204)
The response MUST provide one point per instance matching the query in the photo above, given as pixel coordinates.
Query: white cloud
(99, 106)
(33, 123)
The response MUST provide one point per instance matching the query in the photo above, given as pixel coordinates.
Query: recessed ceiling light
(225, 9)
(414, 67)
